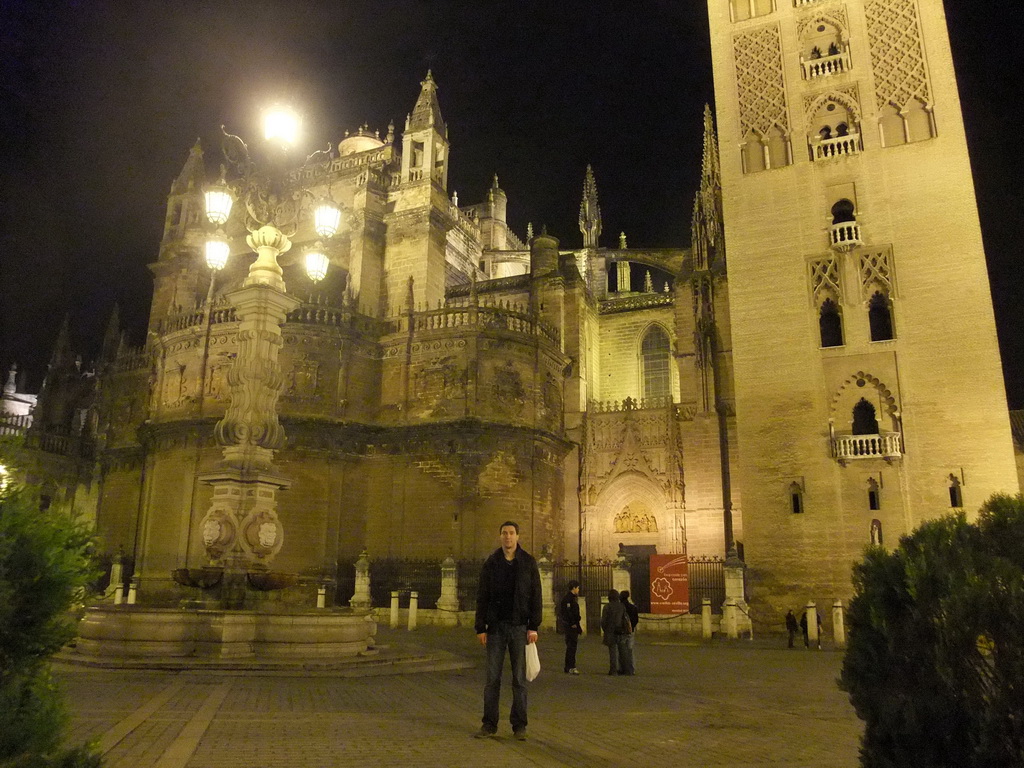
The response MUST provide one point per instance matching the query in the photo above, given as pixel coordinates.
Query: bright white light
(3, 477)
(316, 266)
(281, 125)
(326, 219)
(217, 251)
(218, 203)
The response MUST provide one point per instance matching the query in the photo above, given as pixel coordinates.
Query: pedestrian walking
(616, 627)
(791, 626)
(569, 616)
(508, 613)
(627, 663)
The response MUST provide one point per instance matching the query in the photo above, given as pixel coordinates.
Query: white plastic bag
(532, 661)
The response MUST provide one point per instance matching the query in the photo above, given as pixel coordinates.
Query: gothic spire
(427, 112)
(590, 211)
(193, 174)
(62, 348)
(707, 235)
(112, 337)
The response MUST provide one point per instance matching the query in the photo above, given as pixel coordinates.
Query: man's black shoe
(485, 733)
(520, 734)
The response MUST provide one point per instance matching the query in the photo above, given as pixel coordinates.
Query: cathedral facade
(785, 391)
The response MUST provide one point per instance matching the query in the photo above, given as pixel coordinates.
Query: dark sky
(102, 100)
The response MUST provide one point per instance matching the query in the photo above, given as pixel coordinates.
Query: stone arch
(842, 98)
(852, 390)
(643, 495)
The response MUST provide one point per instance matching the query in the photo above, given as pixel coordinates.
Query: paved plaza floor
(727, 704)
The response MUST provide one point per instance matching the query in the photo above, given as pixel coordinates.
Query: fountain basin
(139, 632)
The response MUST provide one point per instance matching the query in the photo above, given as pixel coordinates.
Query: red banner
(670, 584)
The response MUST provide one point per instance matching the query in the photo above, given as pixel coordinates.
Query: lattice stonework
(825, 279)
(848, 96)
(759, 82)
(834, 14)
(876, 271)
(897, 54)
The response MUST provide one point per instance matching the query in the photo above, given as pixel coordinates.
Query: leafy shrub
(935, 661)
(44, 569)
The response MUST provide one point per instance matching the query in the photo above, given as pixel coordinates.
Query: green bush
(44, 569)
(935, 660)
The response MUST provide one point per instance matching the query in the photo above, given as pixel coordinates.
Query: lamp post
(241, 530)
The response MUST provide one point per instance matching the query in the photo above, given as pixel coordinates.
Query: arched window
(830, 324)
(874, 495)
(842, 212)
(880, 317)
(654, 352)
(956, 494)
(796, 498)
(753, 154)
(864, 421)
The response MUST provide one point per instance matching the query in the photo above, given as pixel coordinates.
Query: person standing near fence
(627, 661)
(616, 628)
(509, 610)
(569, 616)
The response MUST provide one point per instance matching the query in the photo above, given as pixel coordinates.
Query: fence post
(583, 613)
(448, 602)
(811, 614)
(116, 577)
(394, 610)
(414, 605)
(729, 616)
(705, 618)
(361, 597)
(321, 596)
(547, 589)
(838, 624)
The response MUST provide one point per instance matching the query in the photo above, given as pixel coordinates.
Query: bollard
(394, 610)
(133, 586)
(414, 606)
(838, 624)
(321, 596)
(811, 613)
(119, 594)
(729, 616)
(705, 618)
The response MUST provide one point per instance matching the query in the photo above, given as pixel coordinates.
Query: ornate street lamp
(241, 530)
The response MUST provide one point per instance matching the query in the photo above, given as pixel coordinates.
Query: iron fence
(395, 574)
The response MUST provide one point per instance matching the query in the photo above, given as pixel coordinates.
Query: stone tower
(869, 394)
(417, 225)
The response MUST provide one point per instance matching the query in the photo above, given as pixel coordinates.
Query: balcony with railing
(836, 146)
(887, 445)
(826, 66)
(845, 234)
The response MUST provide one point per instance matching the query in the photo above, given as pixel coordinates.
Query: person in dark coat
(791, 627)
(569, 615)
(627, 662)
(616, 628)
(509, 610)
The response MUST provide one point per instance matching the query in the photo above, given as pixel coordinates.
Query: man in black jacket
(569, 615)
(508, 614)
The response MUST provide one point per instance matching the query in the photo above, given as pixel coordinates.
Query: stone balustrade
(825, 66)
(846, 234)
(888, 445)
(639, 301)
(472, 316)
(629, 404)
(837, 146)
(14, 424)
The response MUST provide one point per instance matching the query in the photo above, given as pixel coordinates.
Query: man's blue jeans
(499, 639)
